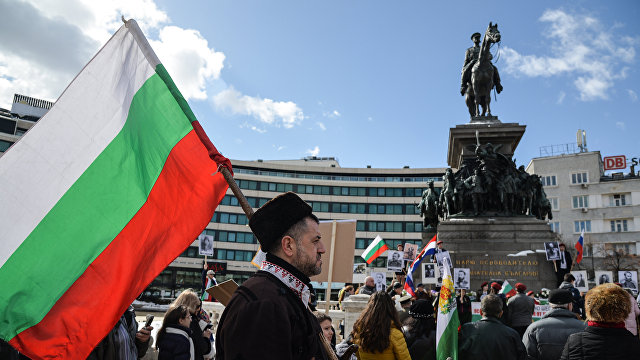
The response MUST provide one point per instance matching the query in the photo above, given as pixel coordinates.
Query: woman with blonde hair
(605, 337)
(199, 334)
(378, 331)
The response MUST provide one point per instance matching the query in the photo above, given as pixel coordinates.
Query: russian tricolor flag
(579, 246)
(429, 249)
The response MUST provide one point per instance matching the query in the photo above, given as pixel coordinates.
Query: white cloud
(189, 60)
(561, 97)
(278, 148)
(580, 47)
(621, 125)
(40, 59)
(314, 152)
(267, 111)
(632, 95)
(321, 126)
(332, 114)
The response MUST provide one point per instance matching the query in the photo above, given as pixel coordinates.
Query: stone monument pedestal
(499, 248)
(462, 138)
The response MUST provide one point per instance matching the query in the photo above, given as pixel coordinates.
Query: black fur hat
(270, 222)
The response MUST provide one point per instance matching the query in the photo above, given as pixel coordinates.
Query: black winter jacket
(602, 344)
(489, 339)
(175, 345)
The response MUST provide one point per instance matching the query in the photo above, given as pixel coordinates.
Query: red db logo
(615, 162)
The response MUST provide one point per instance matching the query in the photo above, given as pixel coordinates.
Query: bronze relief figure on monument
(490, 212)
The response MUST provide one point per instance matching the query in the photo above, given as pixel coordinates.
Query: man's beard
(306, 265)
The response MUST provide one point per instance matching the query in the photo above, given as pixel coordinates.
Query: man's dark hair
(569, 277)
(295, 231)
(491, 305)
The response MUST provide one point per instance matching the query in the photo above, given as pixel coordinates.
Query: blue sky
(368, 82)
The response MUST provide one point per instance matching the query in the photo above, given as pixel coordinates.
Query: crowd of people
(272, 314)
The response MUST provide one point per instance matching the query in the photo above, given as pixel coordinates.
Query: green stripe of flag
(93, 211)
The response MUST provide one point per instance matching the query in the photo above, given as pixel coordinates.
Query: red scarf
(609, 325)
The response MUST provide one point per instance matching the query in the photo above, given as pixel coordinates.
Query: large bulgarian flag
(98, 198)
(447, 321)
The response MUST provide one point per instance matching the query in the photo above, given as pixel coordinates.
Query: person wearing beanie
(521, 309)
(545, 338)
(271, 310)
(420, 331)
(484, 290)
(495, 289)
(567, 284)
(489, 338)
(605, 336)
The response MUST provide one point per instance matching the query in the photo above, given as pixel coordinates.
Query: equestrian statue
(479, 75)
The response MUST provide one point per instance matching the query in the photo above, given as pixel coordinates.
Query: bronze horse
(482, 74)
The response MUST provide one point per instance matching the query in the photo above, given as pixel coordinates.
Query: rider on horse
(470, 58)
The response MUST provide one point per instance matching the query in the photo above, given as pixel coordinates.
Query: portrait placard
(628, 279)
(603, 277)
(410, 251)
(462, 278)
(430, 273)
(581, 280)
(552, 250)
(359, 272)
(394, 260)
(380, 280)
(205, 245)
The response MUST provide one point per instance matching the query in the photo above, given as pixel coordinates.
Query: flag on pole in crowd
(507, 289)
(428, 250)
(579, 247)
(375, 249)
(447, 322)
(106, 190)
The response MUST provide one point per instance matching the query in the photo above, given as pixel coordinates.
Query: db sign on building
(615, 162)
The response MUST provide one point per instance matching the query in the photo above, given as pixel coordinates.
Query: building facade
(25, 112)
(383, 201)
(606, 207)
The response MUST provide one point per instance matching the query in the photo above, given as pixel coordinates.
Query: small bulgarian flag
(507, 289)
(374, 250)
(101, 195)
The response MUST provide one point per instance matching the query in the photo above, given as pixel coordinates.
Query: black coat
(201, 344)
(602, 344)
(464, 309)
(175, 346)
(266, 319)
(489, 339)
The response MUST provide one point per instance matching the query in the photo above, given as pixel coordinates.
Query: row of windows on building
(289, 174)
(221, 254)
(337, 207)
(618, 225)
(331, 190)
(249, 238)
(576, 178)
(582, 201)
(361, 225)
